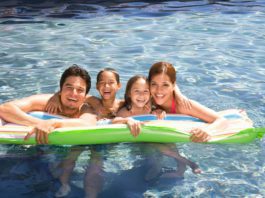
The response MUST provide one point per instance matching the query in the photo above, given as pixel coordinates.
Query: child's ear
(97, 86)
(119, 85)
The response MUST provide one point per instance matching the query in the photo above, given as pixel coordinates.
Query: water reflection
(208, 50)
(150, 170)
(86, 9)
(25, 171)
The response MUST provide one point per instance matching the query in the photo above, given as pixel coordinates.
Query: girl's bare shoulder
(93, 100)
(87, 108)
(120, 103)
(123, 112)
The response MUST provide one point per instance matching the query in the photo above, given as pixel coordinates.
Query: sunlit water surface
(216, 46)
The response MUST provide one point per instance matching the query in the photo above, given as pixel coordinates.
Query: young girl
(136, 97)
(162, 79)
(137, 102)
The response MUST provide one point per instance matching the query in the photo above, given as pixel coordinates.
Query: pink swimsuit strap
(173, 106)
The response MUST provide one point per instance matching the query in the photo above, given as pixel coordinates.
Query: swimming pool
(217, 47)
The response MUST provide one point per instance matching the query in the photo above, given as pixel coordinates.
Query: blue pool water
(217, 47)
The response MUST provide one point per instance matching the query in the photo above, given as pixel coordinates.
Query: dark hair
(76, 70)
(127, 97)
(163, 67)
(117, 76)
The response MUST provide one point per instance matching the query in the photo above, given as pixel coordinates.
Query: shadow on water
(27, 172)
(24, 9)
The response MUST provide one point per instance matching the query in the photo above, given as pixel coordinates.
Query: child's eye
(107, 82)
(165, 85)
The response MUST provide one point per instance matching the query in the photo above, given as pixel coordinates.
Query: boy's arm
(44, 127)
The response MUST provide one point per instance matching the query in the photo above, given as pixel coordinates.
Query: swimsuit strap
(173, 106)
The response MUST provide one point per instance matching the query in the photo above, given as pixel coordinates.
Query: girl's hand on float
(160, 114)
(54, 104)
(198, 135)
(134, 126)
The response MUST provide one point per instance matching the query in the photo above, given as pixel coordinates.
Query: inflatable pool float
(174, 128)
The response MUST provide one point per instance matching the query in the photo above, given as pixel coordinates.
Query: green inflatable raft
(174, 128)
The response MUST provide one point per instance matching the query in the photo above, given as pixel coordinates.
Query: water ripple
(216, 46)
(85, 9)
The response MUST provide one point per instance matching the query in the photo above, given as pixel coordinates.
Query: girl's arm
(93, 101)
(199, 111)
(54, 104)
(204, 134)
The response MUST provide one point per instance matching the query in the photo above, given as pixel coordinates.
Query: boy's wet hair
(117, 76)
(78, 71)
(127, 97)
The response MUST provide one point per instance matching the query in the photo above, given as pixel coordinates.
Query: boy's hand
(42, 131)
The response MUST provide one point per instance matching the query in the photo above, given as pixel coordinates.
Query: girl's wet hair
(117, 76)
(78, 71)
(165, 68)
(127, 97)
